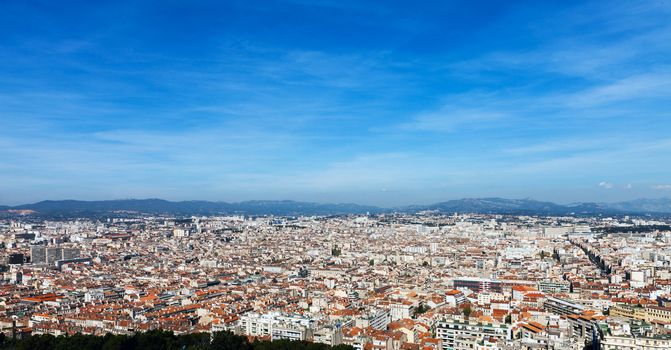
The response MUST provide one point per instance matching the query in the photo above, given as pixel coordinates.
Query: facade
(631, 343)
(70, 253)
(38, 254)
(456, 335)
(554, 286)
(562, 307)
(276, 326)
(50, 255)
(377, 319)
(653, 314)
(54, 254)
(455, 298)
(478, 285)
(400, 310)
(15, 259)
(329, 335)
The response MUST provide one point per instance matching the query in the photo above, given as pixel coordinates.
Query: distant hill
(516, 206)
(660, 205)
(160, 206)
(70, 208)
(494, 205)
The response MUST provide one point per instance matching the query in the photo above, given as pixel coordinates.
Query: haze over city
(383, 103)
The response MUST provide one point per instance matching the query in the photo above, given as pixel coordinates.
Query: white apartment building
(456, 335)
(378, 319)
(400, 310)
(277, 326)
(630, 343)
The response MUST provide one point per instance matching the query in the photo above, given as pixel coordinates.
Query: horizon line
(327, 202)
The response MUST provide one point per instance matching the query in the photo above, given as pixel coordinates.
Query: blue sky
(382, 103)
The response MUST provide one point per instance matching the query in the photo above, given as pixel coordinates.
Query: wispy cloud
(636, 87)
(339, 106)
(606, 185)
(451, 119)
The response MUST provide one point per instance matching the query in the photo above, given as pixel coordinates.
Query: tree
(229, 341)
(335, 251)
(371, 262)
(342, 347)
(38, 342)
(467, 310)
(421, 308)
(158, 339)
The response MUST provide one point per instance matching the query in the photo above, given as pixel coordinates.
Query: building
(277, 326)
(630, 343)
(378, 319)
(400, 310)
(50, 255)
(455, 298)
(478, 285)
(15, 259)
(652, 314)
(53, 254)
(562, 307)
(38, 254)
(70, 253)
(554, 287)
(329, 335)
(456, 335)
(59, 263)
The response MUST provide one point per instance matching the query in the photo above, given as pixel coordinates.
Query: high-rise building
(53, 254)
(70, 253)
(38, 254)
(50, 255)
(15, 259)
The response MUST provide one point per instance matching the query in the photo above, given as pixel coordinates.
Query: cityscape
(385, 282)
(335, 175)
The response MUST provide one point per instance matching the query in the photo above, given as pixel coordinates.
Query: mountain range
(73, 208)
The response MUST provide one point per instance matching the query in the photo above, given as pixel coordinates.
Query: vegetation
(632, 229)
(335, 251)
(295, 345)
(157, 340)
(467, 310)
(422, 308)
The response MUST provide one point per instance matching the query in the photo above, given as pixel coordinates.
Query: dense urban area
(424, 281)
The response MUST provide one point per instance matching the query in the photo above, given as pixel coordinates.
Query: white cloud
(662, 187)
(605, 184)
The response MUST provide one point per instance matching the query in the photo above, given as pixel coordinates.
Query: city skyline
(377, 103)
